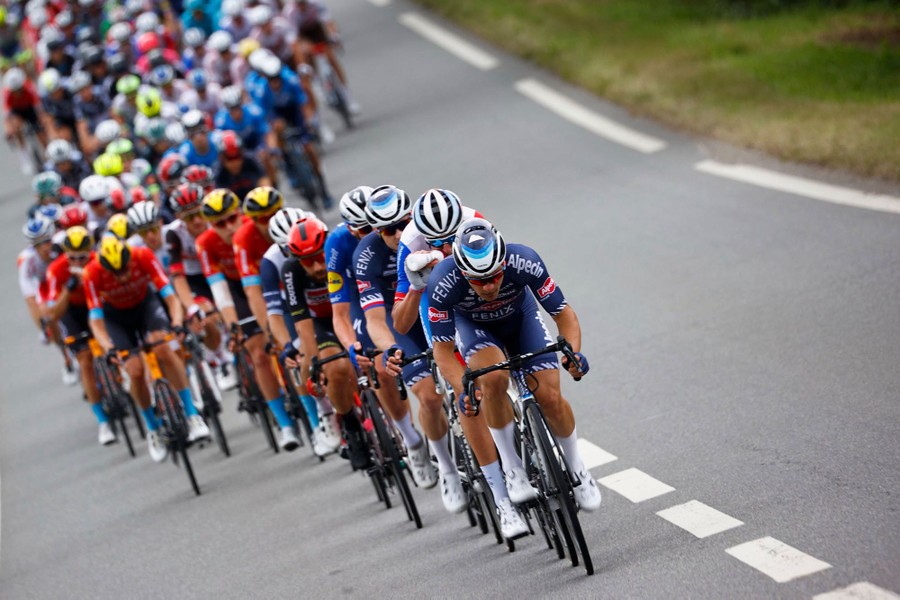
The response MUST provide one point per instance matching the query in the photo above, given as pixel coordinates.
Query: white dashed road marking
(570, 110)
(776, 559)
(858, 591)
(635, 485)
(593, 456)
(380, 2)
(801, 186)
(699, 519)
(451, 43)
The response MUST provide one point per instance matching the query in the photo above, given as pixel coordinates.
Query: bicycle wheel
(341, 103)
(540, 509)
(112, 402)
(563, 502)
(176, 425)
(211, 405)
(394, 466)
(252, 398)
(379, 459)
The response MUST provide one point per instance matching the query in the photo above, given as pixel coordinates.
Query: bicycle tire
(111, 400)
(341, 105)
(176, 424)
(565, 511)
(249, 389)
(540, 508)
(379, 458)
(300, 171)
(394, 466)
(211, 406)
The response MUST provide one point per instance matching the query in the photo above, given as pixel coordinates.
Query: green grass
(816, 82)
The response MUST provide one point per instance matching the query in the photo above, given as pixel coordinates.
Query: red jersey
(249, 247)
(216, 256)
(58, 274)
(102, 287)
(22, 100)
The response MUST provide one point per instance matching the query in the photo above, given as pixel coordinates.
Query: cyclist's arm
(376, 323)
(98, 330)
(306, 332)
(257, 303)
(218, 285)
(343, 323)
(451, 369)
(274, 309)
(569, 327)
(34, 309)
(406, 299)
(182, 289)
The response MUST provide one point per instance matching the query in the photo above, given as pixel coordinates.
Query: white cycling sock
(505, 440)
(493, 474)
(569, 447)
(411, 437)
(325, 407)
(442, 454)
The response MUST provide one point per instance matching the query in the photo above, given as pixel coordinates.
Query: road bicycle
(288, 379)
(555, 508)
(300, 172)
(251, 398)
(206, 391)
(328, 86)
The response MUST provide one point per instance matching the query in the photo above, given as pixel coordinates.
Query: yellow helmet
(220, 203)
(78, 239)
(114, 254)
(119, 226)
(261, 201)
(247, 46)
(108, 164)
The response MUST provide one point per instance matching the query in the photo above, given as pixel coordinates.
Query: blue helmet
(51, 212)
(38, 230)
(387, 205)
(197, 79)
(479, 249)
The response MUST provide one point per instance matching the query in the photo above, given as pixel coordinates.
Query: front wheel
(175, 425)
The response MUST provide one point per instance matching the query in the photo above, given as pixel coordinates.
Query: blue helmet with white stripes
(38, 230)
(387, 205)
(479, 249)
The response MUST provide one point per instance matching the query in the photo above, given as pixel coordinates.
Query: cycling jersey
(21, 100)
(252, 126)
(194, 157)
(339, 248)
(181, 248)
(270, 275)
(92, 111)
(279, 40)
(306, 297)
(286, 103)
(216, 257)
(249, 247)
(208, 103)
(218, 68)
(58, 274)
(62, 110)
(103, 288)
(238, 30)
(244, 180)
(31, 272)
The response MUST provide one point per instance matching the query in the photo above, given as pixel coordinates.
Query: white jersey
(31, 272)
(208, 104)
(413, 239)
(178, 241)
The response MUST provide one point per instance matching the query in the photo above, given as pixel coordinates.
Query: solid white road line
(593, 456)
(801, 186)
(570, 110)
(451, 43)
(699, 519)
(380, 2)
(776, 559)
(635, 485)
(858, 591)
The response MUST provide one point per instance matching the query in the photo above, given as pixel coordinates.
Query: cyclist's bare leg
(134, 366)
(262, 365)
(479, 438)
(88, 382)
(388, 395)
(341, 381)
(432, 417)
(556, 409)
(171, 364)
(494, 404)
(336, 64)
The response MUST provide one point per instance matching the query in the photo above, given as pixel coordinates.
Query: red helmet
(307, 237)
(138, 194)
(171, 168)
(74, 215)
(187, 196)
(230, 144)
(118, 200)
(68, 195)
(148, 41)
(201, 175)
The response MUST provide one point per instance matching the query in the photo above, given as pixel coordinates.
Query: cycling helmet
(119, 226)
(232, 8)
(59, 151)
(270, 66)
(154, 130)
(194, 37)
(74, 215)
(143, 216)
(262, 201)
(231, 96)
(437, 214)
(162, 75)
(92, 55)
(51, 212)
(146, 21)
(53, 38)
(108, 130)
(120, 146)
(280, 224)
(133, 8)
(14, 80)
(68, 195)
(247, 46)
(257, 57)
(387, 205)
(230, 144)
(37, 16)
(49, 81)
(128, 84)
(46, 184)
(186, 197)
(138, 194)
(114, 254)
(259, 15)
(93, 188)
(118, 200)
(38, 230)
(353, 206)
(117, 63)
(78, 81)
(171, 168)
(307, 237)
(175, 133)
(479, 249)
(120, 32)
(108, 164)
(198, 79)
(149, 101)
(63, 18)
(193, 118)
(156, 58)
(200, 175)
(78, 239)
(220, 41)
(220, 203)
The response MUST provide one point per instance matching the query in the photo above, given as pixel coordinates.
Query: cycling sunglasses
(313, 259)
(483, 281)
(393, 229)
(229, 220)
(441, 242)
(364, 230)
(190, 216)
(78, 257)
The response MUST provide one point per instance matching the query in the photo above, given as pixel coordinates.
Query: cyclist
(202, 94)
(67, 304)
(485, 299)
(219, 249)
(21, 106)
(218, 58)
(57, 104)
(68, 162)
(94, 189)
(199, 148)
(91, 107)
(249, 122)
(388, 212)
(238, 171)
(122, 306)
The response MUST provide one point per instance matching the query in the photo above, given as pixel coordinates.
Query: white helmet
(479, 249)
(437, 214)
(194, 37)
(175, 133)
(146, 21)
(143, 215)
(387, 205)
(280, 224)
(271, 66)
(120, 32)
(259, 15)
(232, 8)
(108, 130)
(231, 96)
(93, 188)
(220, 41)
(59, 151)
(14, 79)
(49, 81)
(353, 206)
(258, 57)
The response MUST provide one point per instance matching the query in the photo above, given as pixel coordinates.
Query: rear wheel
(252, 398)
(175, 425)
(211, 405)
(113, 399)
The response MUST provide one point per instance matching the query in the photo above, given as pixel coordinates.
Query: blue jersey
(375, 269)
(193, 157)
(450, 295)
(252, 126)
(339, 248)
(286, 103)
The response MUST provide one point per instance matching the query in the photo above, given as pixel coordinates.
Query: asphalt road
(743, 345)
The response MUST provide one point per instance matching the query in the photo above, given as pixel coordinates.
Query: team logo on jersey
(435, 315)
(548, 288)
(335, 282)
(363, 286)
